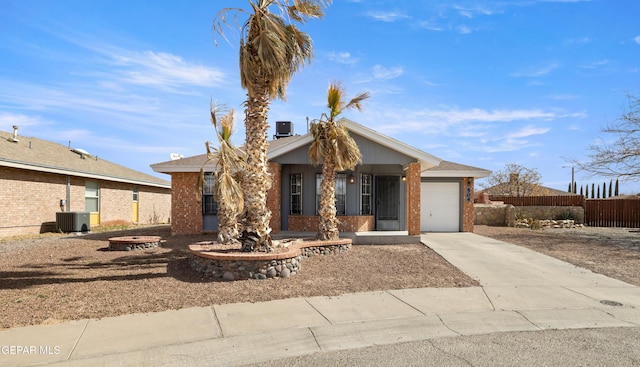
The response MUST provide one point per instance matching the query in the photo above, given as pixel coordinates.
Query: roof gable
(285, 148)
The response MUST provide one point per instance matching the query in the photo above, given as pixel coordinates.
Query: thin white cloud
(463, 29)
(455, 116)
(163, 69)
(596, 64)
(580, 41)
(535, 72)
(342, 58)
(527, 131)
(387, 16)
(379, 72)
(18, 119)
(430, 25)
(471, 12)
(453, 121)
(637, 39)
(563, 97)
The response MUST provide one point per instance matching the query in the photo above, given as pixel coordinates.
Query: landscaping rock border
(129, 243)
(237, 265)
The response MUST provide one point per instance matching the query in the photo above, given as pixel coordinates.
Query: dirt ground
(56, 278)
(50, 279)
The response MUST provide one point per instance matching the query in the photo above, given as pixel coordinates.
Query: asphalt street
(606, 347)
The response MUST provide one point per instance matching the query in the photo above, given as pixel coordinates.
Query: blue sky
(481, 83)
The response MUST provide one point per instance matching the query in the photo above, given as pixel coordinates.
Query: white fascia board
(66, 172)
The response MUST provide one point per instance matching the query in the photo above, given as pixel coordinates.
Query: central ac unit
(72, 222)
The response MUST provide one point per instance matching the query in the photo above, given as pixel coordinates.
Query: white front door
(440, 206)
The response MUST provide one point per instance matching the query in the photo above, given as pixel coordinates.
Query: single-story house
(395, 188)
(40, 178)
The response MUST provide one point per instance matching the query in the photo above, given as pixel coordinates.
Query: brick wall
(413, 198)
(348, 223)
(274, 197)
(154, 205)
(29, 200)
(116, 202)
(467, 205)
(186, 210)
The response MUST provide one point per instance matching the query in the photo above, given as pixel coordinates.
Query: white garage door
(440, 207)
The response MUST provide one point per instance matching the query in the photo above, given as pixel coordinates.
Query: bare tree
(514, 180)
(620, 158)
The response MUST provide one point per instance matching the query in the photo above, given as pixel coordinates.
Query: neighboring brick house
(39, 178)
(396, 188)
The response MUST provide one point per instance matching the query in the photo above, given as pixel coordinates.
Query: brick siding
(348, 223)
(30, 200)
(467, 205)
(413, 198)
(186, 209)
(274, 196)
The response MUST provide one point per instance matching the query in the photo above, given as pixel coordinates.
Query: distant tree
(514, 180)
(593, 191)
(611, 188)
(598, 196)
(581, 190)
(586, 192)
(575, 186)
(569, 187)
(620, 158)
(617, 187)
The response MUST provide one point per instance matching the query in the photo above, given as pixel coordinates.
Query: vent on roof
(83, 153)
(14, 138)
(284, 129)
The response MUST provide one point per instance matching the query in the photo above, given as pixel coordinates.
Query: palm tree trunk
(328, 223)
(256, 181)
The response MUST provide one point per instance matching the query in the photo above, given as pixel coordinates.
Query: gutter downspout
(68, 208)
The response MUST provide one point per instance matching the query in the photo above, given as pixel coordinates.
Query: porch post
(412, 175)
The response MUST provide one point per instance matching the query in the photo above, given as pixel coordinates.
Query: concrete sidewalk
(520, 290)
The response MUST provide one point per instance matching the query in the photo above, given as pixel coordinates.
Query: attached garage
(440, 207)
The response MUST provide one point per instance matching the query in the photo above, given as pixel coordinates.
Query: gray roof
(45, 156)
(431, 166)
(196, 162)
(451, 169)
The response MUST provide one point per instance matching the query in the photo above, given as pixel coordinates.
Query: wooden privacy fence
(612, 213)
(597, 212)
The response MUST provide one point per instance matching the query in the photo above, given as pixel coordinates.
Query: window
(91, 197)
(296, 193)
(365, 189)
(135, 193)
(341, 193)
(209, 205)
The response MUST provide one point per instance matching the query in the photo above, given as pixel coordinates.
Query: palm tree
(335, 148)
(230, 163)
(272, 49)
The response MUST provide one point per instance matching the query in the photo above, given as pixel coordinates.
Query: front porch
(348, 223)
(359, 237)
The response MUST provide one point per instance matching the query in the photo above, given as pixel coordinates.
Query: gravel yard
(54, 278)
